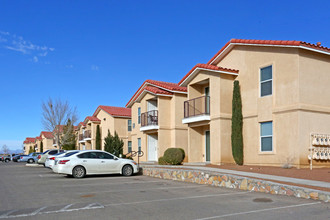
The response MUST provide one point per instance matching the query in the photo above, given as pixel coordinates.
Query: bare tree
(56, 114)
(5, 149)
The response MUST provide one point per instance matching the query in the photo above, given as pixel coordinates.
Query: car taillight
(39, 156)
(63, 161)
(52, 158)
(21, 158)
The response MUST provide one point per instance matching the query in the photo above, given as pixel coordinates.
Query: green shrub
(161, 161)
(183, 153)
(173, 156)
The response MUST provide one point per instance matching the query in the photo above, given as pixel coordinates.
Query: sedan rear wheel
(7, 160)
(30, 160)
(127, 170)
(78, 172)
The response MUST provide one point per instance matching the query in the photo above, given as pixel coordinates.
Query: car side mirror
(116, 158)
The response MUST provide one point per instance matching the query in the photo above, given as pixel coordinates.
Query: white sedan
(50, 160)
(92, 162)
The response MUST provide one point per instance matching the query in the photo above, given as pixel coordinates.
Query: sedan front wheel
(78, 172)
(127, 170)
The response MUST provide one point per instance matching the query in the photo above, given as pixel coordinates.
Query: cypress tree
(41, 147)
(108, 143)
(237, 125)
(98, 138)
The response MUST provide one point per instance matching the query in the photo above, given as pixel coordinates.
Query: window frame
(139, 144)
(129, 147)
(139, 115)
(129, 125)
(261, 82)
(265, 136)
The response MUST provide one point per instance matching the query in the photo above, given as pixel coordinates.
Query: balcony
(197, 110)
(149, 120)
(87, 135)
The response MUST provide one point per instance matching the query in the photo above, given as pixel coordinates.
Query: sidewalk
(242, 180)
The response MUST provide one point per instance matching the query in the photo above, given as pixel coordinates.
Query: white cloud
(94, 68)
(17, 43)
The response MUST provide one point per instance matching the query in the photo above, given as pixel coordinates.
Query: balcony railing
(149, 118)
(197, 106)
(81, 137)
(87, 134)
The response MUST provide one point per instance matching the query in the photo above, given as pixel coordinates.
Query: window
(266, 136)
(139, 115)
(139, 144)
(129, 146)
(266, 81)
(129, 123)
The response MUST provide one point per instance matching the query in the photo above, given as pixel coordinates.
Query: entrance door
(207, 146)
(152, 147)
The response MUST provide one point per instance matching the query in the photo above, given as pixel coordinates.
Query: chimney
(318, 43)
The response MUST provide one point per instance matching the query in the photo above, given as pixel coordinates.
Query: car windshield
(70, 154)
(45, 152)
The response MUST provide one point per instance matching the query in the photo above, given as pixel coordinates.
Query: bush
(161, 161)
(183, 153)
(174, 156)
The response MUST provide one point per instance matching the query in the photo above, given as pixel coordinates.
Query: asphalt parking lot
(38, 193)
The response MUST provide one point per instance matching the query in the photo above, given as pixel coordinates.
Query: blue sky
(94, 53)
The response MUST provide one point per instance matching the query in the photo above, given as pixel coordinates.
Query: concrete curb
(235, 182)
(33, 165)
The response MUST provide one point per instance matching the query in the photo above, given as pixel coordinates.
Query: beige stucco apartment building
(114, 119)
(285, 100)
(47, 140)
(156, 118)
(28, 143)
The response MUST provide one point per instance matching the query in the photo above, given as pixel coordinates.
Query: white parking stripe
(8, 213)
(66, 207)
(126, 190)
(117, 183)
(259, 210)
(177, 198)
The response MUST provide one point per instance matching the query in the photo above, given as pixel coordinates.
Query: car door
(108, 163)
(90, 161)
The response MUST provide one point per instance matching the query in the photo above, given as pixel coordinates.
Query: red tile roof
(165, 86)
(29, 140)
(208, 67)
(47, 134)
(91, 118)
(60, 128)
(157, 90)
(300, 44)
(81, 124)
(39, 138)
(114, 111)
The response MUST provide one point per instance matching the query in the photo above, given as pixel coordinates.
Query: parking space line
(8, 213)
(66, 207)
(126, 190)
(259, 210)
(177, 198)
(117, 183)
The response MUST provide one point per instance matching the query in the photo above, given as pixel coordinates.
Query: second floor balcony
(149, 120)
(87, 135)
(196, 110)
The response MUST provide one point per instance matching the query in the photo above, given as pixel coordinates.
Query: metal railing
(197, 106)
(133, 154)
(149, 118)
(87, 134)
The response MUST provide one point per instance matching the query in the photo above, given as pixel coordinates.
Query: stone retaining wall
(235, 182)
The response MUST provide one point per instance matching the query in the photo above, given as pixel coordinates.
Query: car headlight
(134, 163)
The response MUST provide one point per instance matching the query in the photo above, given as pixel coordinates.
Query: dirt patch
(318, 174)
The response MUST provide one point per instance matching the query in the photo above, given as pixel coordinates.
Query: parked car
(50, 160)
(6, 158)
(91, 162)
(31, 158)
(42, 157)
(17, 156)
